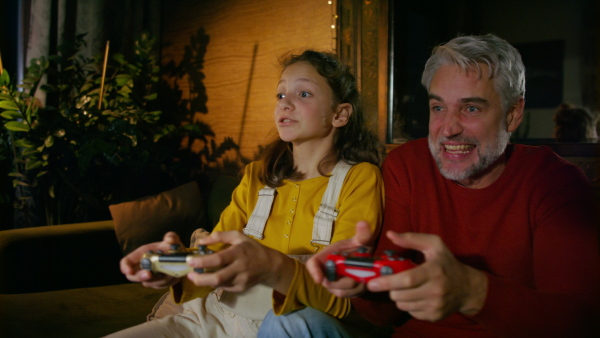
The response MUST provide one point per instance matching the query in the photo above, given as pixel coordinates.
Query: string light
(333, 25)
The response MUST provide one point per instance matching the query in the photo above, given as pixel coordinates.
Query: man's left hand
(437, 288)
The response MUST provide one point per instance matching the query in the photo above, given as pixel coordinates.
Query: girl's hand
(130, 264)
(242, 265)
(345, 286)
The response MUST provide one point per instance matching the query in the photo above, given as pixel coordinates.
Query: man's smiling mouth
(458, 148)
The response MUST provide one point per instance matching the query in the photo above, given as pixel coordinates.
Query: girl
(284, 207)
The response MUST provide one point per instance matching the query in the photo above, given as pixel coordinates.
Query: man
(507, 235)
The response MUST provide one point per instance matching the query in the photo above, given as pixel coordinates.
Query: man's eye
(472, 109)
(435, 108)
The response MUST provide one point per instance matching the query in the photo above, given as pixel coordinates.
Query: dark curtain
(47, 24)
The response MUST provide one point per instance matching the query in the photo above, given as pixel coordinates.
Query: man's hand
(345, 286)
(243, 264)
(130, 264)
(438, 287)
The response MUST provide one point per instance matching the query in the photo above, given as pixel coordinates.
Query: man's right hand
(345, 286)
(130, 264)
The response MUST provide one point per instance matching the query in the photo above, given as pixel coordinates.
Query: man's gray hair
(504, 62)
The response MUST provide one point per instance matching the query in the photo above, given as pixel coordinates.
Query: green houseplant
(86, 148)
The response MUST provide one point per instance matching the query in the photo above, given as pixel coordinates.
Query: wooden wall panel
(240, 65)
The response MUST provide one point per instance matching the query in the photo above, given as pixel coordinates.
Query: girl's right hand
(130, 264)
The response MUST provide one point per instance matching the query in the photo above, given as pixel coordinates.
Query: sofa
(64, 280)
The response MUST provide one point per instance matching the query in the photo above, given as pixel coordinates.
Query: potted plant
(96, 141)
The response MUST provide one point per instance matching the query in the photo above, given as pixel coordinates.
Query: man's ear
(515, 116)
(342, 116)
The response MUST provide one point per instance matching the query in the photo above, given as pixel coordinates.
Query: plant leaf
(33, 164)
(49, 141)
(19, 182)
(11, 114)
(8, 105)
(151, 97)
(24, 143)
(17, 126)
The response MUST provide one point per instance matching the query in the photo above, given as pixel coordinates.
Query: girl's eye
(305, 94)
(279, 96)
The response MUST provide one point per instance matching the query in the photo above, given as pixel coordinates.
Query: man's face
(468, 129)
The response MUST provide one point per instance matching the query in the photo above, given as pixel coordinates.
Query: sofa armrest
(59, 257)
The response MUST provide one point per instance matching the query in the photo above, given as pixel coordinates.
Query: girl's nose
(284, 103)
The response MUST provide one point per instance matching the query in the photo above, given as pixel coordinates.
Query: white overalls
(228, 314)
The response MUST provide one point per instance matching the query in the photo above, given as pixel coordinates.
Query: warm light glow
(334, 17)
(1, 68)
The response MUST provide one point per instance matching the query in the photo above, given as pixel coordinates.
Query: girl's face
(304, 110)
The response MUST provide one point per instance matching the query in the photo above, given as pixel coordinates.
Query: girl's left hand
(242, 265)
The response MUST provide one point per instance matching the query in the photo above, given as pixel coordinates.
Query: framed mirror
(558, 41)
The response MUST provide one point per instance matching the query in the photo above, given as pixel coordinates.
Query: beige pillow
(147, 219)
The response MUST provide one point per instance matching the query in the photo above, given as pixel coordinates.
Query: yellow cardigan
(289, 228)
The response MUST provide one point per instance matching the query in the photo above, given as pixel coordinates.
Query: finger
(344, 287)
(362, 237)
(219, 278)
(228, 237)
(130, 264)
(172, 238)
(139, 276)
(407, 279)
(408, 299)
(416, 241)
(223, 266)
(241, 248)
(160, 281)
(212, 261)
(314, 265)
(347, 293)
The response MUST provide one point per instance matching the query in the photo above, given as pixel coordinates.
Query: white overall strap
(323, 222)
(260, 214)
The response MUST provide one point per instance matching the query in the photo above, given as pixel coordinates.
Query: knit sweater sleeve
(563, 298)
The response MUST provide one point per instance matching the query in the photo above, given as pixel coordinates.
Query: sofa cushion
(147, 219)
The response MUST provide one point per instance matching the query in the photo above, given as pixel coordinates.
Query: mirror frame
(363, 31)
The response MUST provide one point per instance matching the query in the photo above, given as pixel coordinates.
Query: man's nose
(451, 124)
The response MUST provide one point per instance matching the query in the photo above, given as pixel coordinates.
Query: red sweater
(532, 231)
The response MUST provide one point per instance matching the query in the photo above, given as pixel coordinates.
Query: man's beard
(487, 156)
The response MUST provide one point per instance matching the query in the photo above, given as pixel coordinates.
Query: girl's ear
(342, 116)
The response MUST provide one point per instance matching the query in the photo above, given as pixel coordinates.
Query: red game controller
(362, 267)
